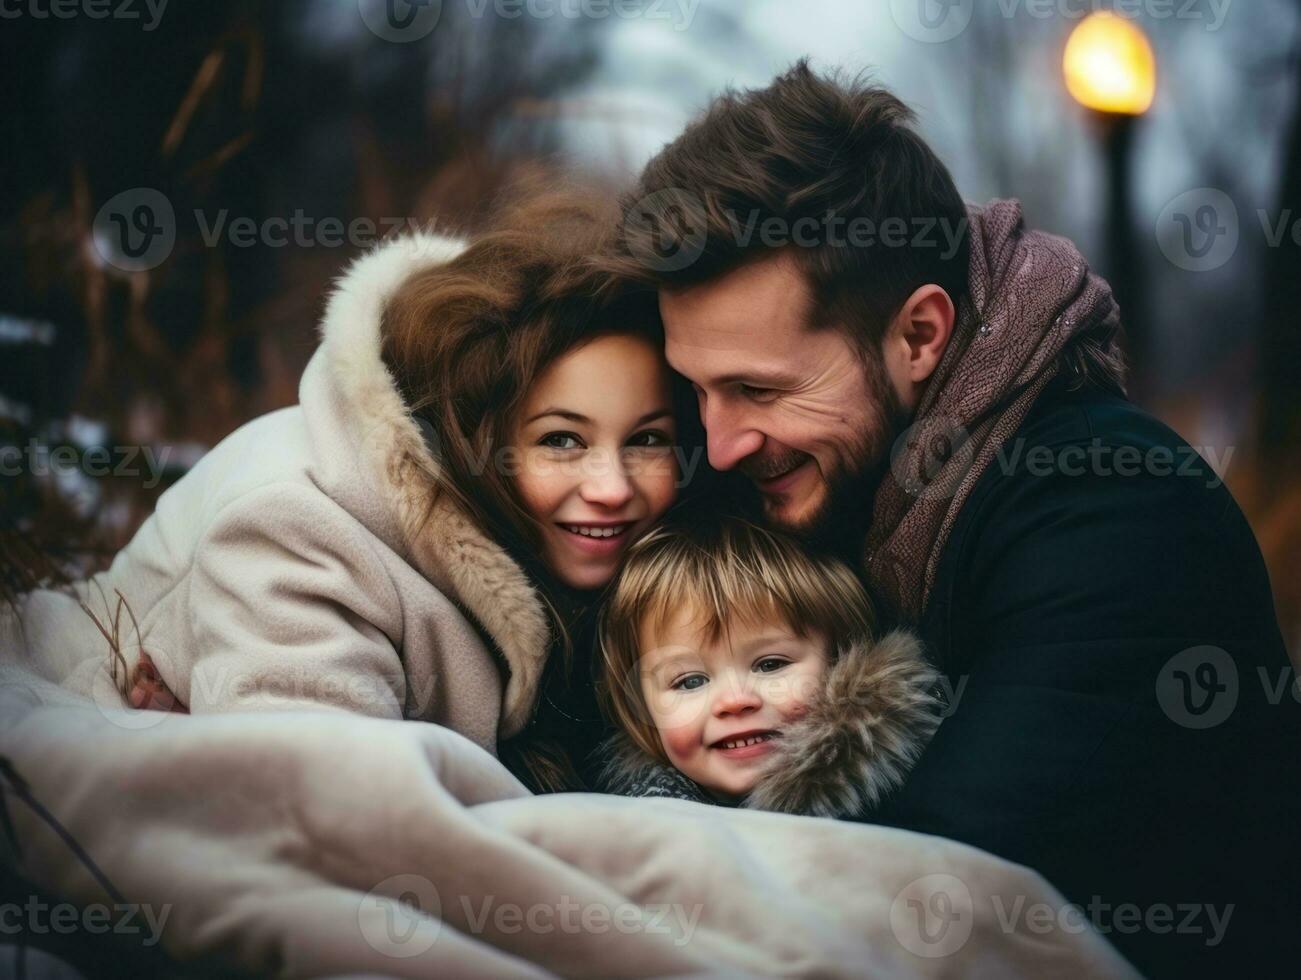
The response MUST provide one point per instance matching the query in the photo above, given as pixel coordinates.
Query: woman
(481, 434)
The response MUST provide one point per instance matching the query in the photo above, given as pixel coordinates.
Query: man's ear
(920, 334)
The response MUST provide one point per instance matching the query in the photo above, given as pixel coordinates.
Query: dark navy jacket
(1125, 719)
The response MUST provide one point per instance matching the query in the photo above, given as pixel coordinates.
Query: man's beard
(840, 522)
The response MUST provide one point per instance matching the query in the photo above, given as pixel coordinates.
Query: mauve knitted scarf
(1031, 294)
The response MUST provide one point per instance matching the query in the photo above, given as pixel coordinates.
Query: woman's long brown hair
(464, 342)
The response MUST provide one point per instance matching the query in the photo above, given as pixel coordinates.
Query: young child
(742, 671)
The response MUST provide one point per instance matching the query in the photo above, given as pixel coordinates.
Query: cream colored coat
(289, 568)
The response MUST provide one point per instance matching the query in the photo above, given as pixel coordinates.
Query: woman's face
(594, 440)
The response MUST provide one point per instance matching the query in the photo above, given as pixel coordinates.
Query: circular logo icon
(665, 230)
(136, 230)
(108, 698)
(1199, 230)
(933, 916)
(1198, 688)
(401, 916)
(400, 21)
(932, 21)
(648, 697)
(931, 457)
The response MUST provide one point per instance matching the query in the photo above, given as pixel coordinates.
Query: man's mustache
(765, 468)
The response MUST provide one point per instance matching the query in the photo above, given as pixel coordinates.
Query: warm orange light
(1110, 66)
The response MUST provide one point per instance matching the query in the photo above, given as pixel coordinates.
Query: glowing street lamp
(1110, 69)
(1110, 66)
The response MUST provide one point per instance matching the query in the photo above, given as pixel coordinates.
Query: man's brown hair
(822, 155)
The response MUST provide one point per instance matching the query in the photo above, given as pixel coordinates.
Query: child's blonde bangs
(726, 572)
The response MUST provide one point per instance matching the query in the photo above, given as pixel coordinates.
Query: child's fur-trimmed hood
(859, 738)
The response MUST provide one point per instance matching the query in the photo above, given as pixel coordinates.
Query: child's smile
(746, 745)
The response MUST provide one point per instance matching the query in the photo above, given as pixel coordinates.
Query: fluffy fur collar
(448, 548)
(858, 740)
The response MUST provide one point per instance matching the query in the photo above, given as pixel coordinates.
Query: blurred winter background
(259, 145)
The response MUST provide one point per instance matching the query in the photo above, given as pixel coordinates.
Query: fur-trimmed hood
(448, 548)
(859, 738)
(311, 560)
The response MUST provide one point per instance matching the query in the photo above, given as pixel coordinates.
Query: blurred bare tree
(231, 110)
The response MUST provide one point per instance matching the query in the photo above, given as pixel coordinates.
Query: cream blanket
(308, 844)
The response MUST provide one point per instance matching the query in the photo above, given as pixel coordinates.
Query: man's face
(794, 409)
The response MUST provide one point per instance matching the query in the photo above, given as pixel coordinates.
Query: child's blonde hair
(723, 570)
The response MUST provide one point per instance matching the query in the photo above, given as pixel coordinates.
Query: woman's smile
(602, 539)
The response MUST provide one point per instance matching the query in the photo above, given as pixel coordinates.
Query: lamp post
(1110, 69)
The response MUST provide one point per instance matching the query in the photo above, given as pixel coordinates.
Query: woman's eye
(770, 664)
(560, 440)
(689, 683)
(758, 394)
(651, 438)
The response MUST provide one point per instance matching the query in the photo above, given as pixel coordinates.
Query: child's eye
(650, 439)
(689, 683)
(770, 664)
(561, 440)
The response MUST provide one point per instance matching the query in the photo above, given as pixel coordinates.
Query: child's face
(709, 701)
(594, 440)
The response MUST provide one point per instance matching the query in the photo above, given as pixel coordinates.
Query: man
(939, 393)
